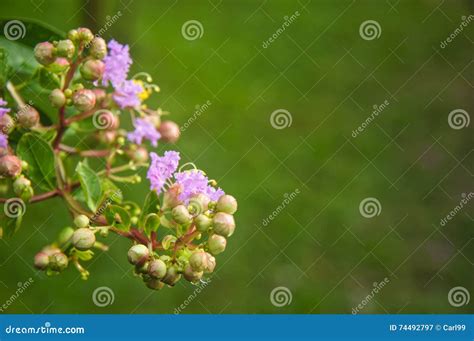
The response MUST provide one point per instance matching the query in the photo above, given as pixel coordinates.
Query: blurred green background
(328, 78)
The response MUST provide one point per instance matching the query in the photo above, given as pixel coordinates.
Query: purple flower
(162, 168)
(3, 141)
(3, 111)
(117, 64)
(214, 193)
(127, 94)
(192, 182)
(144, 130)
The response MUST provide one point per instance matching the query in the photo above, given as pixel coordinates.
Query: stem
(16, 96)
(81, 116)
(39, 197)
(84, 153)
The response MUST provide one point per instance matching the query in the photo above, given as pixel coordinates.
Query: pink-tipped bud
(171, 197)
(28, 117)
(84, 99)
(44, 53)
(59, 65)
(227, 204)
(41, 260)
(83, 239)
(65, 48)
(216, 244)
(92, 69)
(169, 131)
(224, 224)
(138, 154)
(191, 275)
(10, 166)
(6, 124)
(198, 261)
(157, 269)
(58, 261)
(138, 254)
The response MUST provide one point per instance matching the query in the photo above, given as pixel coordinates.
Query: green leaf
(90, 184)
(40, 157)
(47, 79)
(3, 67)
(118, 216)
(110, 192)
(84, 255)
(152, 221)
(151, 205)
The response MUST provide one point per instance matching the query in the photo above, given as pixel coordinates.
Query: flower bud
(10, 166)
(59, 65)
(224, 224)
(138, 154)
(57, 98)
(58, 261)
(92, 69)
(171, 197)
(172, 276)
(83, 239)
(211, 264)
(107, 136)
(81, 221)
(28, 117)
(98, 48)
(20, 185)
(154, 284)
(44, 53)
(84, 99)
(73, 35)
(65, 236)
(142, 268)
(216, 244)
(203, 222)
(191, 275)
(41, 260)
(100, 94)
(6, 124)
(198, 261)
(157, 269)
(85, 35)
(227, 204)
(198, 204)
(65, 48)
(181, 215)
(169, 131)
(138, 254)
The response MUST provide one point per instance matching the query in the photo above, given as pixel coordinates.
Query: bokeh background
(327, 77)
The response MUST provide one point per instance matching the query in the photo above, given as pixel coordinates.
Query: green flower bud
(92, 69)
(227, 204)
(190, 275)
(171, 197)
(98, 48)
(198, 204)
(181, 215)
(84, 99)
(6, 124)
(65, 48)
(81, 221)
(50, 250)
(44, 53)
(157, 269)
(211, 264)
(138, 154)
(138, 254)
(169, 131)
(64, 237)
(59, 65)
(41, 260)
(216, 244)
(28, 117)
(57, 98)
(73, 35)
(198, 261)
(83, 239)
(20, 184)
(142, 269)
(172, 276)
(10, 166)
(224, 224)
(58, 261)
(85, 35)
(203, 222)
(154, 284)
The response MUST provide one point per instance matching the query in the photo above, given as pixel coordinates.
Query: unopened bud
(98, 48)
(41, 260)
(83, 239)
(65, 236)
(211, 264)
(181, 215)
(224, 224)
(44, 53)
(203, 222)
(65, 48)
(6, 124)
(216, 244)
(57, 98)
(59, 65)
(198, 204)
(138, 154)
(20, 184)
(169, 131)
(227, 204)
(84, 99)
(10, 166)
(154, 284)
(172, 276)
(171, 196)
(191, 275)
(138, 254)
(100, 94)
(85, 35)
(73, 35)
(198, 261)
(92, 69)
(142, 268)
(157, 269)
(58, 261)
(81, 221)
(28, 117)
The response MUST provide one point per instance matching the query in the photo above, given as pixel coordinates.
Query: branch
(39, 197)
(84, 153)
